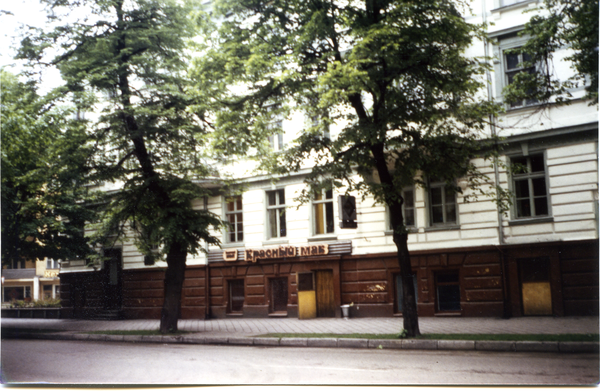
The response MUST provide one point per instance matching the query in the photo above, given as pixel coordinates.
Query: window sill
(270, 242)
(513, 6)
(322, 238)
(535, 220)
(232, 245)
(442, 228)
(411, 230)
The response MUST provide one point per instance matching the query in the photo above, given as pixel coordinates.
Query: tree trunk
(394, 201)
(409, 299)
(174, 277)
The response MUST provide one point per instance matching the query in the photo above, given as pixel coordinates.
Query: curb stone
(507, 346)
(193, 339)
(353, 343)
(421, 344)
(502, 346)
(266, 341)
(216, 340)
(241, 341)
(535, 346)
(385, 343)
(293, 342)
(456, 345)
(322, 342)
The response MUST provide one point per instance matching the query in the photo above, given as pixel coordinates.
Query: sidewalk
(243, 331)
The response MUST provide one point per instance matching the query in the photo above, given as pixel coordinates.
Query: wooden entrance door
(279, 294)
(111, 279)
(535, 286)
(324, 293)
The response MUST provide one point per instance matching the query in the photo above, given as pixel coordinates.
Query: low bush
(44, 303)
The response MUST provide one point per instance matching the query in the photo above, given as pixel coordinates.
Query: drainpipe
(505, 291)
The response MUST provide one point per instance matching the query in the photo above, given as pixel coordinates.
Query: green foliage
(131, 57)
(42, 303)
(392, 73)
(572, 24)
(41, 175)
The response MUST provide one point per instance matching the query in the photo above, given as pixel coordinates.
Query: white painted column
(36, 288)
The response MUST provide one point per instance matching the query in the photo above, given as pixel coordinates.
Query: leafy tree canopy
(131, 56)
(41, 175)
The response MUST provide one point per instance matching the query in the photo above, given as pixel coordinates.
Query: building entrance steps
(244, 327)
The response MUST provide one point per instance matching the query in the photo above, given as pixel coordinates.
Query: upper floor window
(529, 185)
(316, 122)
(235, 216)
(442, 204)
(16, 264)
(276, 214)
(408, 208)
(275, 127)
(322, 205)
(515, 63)
(51, 263)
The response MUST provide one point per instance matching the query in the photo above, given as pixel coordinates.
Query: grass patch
(454, 337)
(133, 332)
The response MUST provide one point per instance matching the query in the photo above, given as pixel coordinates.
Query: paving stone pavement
(252, 327)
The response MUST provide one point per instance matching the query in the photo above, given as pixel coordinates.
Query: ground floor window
(236, 295)
(13, 293)
(447, 291)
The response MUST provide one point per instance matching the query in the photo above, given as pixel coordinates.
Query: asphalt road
(74, 362)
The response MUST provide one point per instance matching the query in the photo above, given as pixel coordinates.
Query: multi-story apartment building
(281, 258)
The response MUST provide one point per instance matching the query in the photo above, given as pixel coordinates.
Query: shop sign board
(252, 255)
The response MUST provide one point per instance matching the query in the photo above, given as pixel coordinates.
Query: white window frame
(404, 209)
(52, 264)
(24, 287)
(446, 223)
(276, 122)
(507, 41)
(530, 176)
(322, 205)
(235, 213)
(278, 208)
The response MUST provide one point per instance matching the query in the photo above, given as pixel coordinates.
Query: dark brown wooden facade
(475, 282)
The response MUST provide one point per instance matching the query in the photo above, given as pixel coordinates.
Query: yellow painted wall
(307, 305)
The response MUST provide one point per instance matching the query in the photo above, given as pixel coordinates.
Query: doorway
(536, 291)
(236, 296)
(111, 279)
(324, 293)
(279, 294)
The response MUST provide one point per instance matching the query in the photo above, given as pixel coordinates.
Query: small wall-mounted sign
(50, 273)
(230, 255)
(347, 209)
